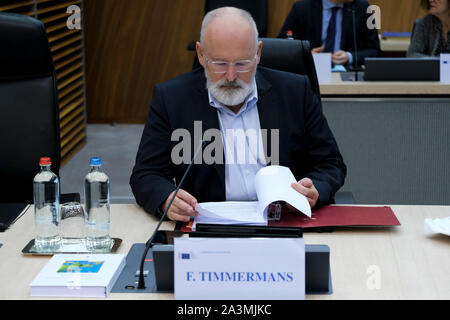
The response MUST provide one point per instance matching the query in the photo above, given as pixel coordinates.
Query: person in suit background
(431, 33)
(231, 92)
(328, 25)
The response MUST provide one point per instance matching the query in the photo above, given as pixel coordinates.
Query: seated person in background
(328, 26)
(431, 33)
(233, 93)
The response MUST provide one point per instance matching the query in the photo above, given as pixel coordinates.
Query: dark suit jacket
(285, 102)
(305, 21)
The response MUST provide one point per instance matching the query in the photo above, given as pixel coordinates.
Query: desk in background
(410, 265)
(394, 137)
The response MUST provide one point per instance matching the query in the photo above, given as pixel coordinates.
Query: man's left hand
(306, 187)
(340, 57)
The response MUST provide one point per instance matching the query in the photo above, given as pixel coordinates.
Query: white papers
(435, 226)
(239, 268)
(272, 183)
(445, 68)
(322, 61)
(78, 275)
(230, 212)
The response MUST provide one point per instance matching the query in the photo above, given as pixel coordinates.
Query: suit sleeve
(417, 47)
(152, 176)
(369, 42)
(326, 166)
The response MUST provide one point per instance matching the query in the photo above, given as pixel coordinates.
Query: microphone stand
(354, 68)
(141, 284)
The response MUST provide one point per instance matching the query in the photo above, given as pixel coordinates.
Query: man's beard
(229, 93)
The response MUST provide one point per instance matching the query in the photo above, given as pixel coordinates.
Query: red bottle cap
(45, 161)
(289, 33)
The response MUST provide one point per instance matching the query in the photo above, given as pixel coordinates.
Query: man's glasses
(240, 66)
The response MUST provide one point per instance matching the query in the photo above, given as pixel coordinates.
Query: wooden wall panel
(398, 15)
(133, 44)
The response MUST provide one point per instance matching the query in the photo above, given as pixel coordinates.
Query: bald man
(231, 94)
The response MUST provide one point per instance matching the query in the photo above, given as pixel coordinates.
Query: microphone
(148, 245)
(354, 67)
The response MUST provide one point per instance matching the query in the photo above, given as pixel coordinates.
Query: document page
(273, 183)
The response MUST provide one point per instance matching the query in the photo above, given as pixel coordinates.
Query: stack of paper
(230, 212)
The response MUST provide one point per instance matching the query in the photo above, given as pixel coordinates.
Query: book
(78, 275)
(272, 184)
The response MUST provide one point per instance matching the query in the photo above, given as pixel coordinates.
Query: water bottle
(46, 208)
(96, 192)
(289, 35)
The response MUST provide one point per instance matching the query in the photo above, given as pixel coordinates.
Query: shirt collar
(327, 4)
(249, 102)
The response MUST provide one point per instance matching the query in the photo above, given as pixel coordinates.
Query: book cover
(78, 275)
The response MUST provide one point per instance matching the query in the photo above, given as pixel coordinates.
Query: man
(329, 26)
(231, 93)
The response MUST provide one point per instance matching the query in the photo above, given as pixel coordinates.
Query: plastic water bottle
(289, 35)
(46, 208)
(96, 191)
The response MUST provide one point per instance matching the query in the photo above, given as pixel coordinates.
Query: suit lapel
(267, 110)
(210, 120)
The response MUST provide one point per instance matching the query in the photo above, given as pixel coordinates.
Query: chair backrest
(291, 56)
(29, 113)
(257, 8)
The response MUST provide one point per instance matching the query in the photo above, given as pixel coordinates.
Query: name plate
(239, 268)
(322, 62)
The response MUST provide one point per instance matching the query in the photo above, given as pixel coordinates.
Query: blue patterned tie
(331, 32)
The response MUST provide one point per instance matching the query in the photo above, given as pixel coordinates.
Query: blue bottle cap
(95, 161)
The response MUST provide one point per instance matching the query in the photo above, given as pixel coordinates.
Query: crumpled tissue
(434, 226)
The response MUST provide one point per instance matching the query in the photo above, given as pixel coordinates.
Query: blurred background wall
(133, 44)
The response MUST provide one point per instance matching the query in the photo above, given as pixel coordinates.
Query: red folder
(340, 216)
(333, 216)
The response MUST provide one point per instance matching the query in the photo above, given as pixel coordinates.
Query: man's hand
(182, 208)
(340, 57)
(317, 50)
(306, 187)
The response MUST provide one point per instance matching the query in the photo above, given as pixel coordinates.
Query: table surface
(337, 87)
(366, 263)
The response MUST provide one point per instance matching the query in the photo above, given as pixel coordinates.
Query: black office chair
(291, 56)
(29, 113)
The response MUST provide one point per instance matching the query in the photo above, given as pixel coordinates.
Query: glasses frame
(233, 64)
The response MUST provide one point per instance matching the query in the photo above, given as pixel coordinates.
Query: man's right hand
(182, 208)
(317, 50)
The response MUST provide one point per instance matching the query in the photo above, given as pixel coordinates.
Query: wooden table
(375, 263)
